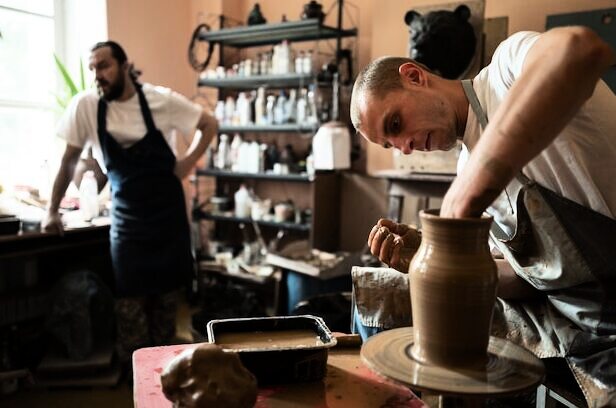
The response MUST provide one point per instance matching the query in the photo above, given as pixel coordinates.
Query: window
(31, 32)
(26, 91)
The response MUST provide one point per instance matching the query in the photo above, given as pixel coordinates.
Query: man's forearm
(197, 147)
(64, 176)
(208, 128)
(559, 75)
(63, 179)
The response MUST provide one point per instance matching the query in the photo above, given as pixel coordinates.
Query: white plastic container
(88, 196)
(243, 202)
(222, 156)
(234, 152)
(331, 147)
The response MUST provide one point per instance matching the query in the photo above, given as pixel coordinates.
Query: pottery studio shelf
(285, 128)
(252, 82)
(298, 178)
(291, 226)
(266, 34)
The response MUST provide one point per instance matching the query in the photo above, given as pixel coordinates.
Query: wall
(155, 36)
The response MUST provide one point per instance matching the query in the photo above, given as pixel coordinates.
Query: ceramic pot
(453, 289)
(313, 10)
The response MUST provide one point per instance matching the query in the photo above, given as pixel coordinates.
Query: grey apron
(568, 252)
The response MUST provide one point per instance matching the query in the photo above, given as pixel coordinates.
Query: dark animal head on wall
(442, 40)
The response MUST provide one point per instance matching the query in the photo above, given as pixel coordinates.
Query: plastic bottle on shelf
(310, 164)
(234, 151)
(301, 107)
(299, 62)
(263, 64)
(242, 107)
(269, 108)
(222, 158)
(290, 109)
(279, 109)
(284, 57)
(242, 202)
(255, 152)
(88, 196)
(260, 112)
(307, 63)
(311, 108)
(219, 112)
(229, 110)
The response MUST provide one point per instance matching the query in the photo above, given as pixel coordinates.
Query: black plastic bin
(281, 364)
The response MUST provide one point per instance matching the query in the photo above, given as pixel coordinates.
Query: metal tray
(281, 364)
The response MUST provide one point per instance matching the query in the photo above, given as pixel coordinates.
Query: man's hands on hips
(183, 167)
(208, 127)
(394, 243)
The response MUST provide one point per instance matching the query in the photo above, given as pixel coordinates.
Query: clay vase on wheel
(453, 289)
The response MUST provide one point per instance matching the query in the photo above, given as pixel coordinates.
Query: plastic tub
(278, 362)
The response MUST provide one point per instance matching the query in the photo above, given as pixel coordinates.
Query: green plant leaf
(65, 75)
(61, 102)
(82, 75)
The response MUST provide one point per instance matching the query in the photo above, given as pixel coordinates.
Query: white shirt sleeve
(184, 114)
(75, 125)
(509, 57)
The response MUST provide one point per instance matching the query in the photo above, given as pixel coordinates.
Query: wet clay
(269, 339)
(207, 376)
(453, 289)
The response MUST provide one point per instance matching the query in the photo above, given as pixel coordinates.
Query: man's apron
(150, 239)
(568, 252)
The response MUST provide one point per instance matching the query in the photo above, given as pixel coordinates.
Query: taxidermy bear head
(442, 40)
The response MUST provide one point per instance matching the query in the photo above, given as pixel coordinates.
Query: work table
(348, 383)
(39, 242)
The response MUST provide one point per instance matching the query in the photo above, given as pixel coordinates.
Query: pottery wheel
(510, 368)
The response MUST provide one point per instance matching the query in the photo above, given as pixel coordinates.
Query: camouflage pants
(144, 322)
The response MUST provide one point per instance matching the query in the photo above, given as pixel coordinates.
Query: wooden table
(36, 243)
(349, 383)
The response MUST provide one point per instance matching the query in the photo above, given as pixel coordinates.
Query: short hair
(117, 51)
(379, 77)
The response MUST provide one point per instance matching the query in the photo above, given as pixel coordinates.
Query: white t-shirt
(580, 164)
(170, 111)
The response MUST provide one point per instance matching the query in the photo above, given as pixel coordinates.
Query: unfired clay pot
(453, 289)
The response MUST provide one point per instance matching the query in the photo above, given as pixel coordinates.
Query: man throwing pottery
(538, 129)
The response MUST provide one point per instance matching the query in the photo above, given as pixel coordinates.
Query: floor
(119, 396)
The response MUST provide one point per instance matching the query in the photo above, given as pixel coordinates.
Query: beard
(114, 91)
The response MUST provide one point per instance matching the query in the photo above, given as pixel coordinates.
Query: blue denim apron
(150, 239)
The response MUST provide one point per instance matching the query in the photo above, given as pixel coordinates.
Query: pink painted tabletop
(348, 383)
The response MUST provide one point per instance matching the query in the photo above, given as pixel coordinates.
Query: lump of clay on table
(207, 376)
